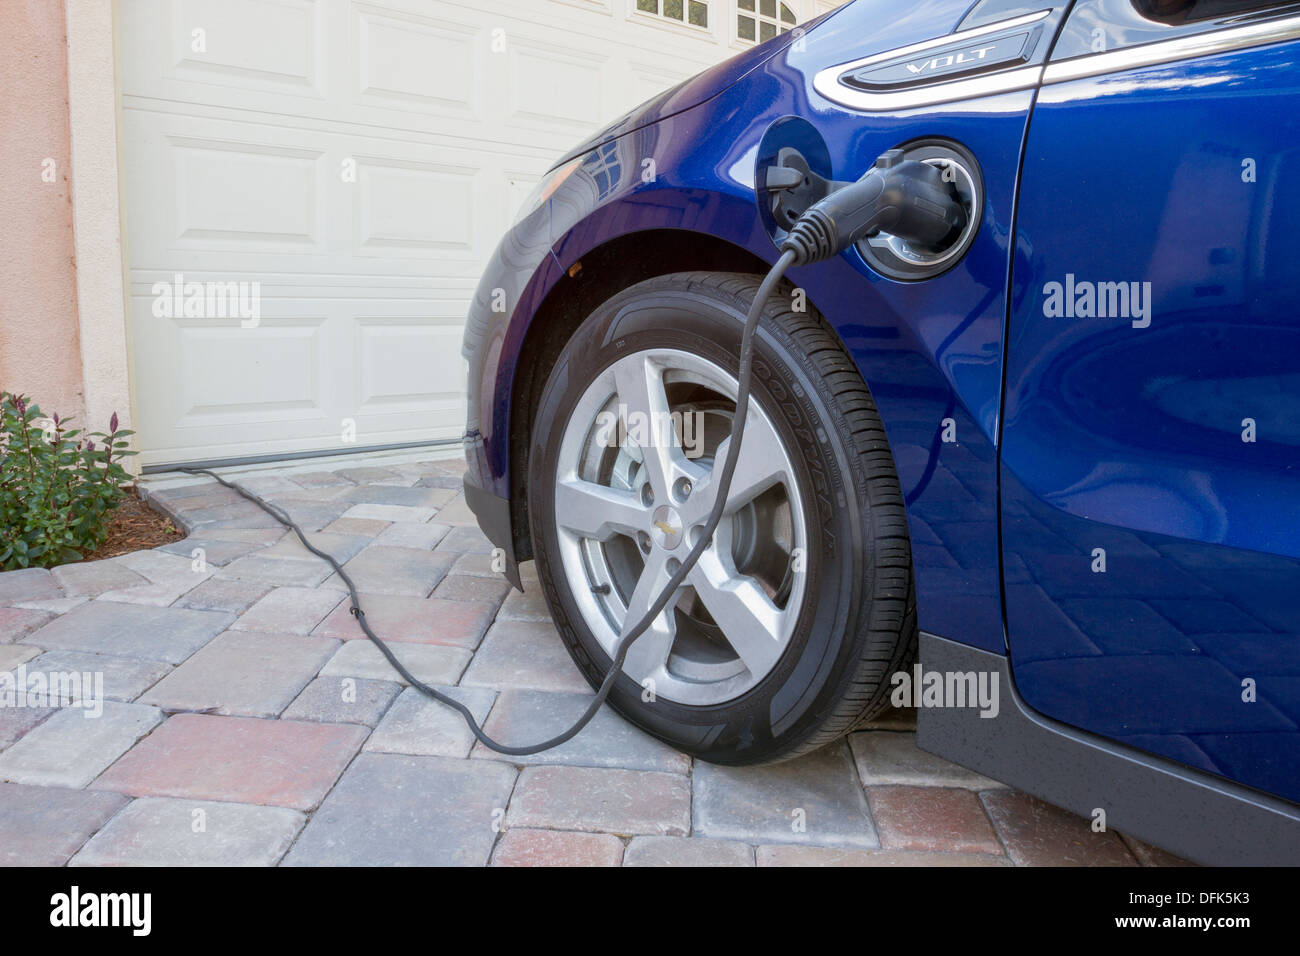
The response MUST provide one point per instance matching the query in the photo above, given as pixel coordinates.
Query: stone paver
(127, 630)
(466, 540)
(16, 722)
(675, 851)
(457, 512)
(380, 570)
(828, 856)
(431, 498)
(44, 826)
(243, 673)
(278, 572)
(74, 746)
(367, 527)
(288, 611)
(408, 619)
(358, 769)
(28, 584)
(344, 700)
(322, 479)
(421, 537)
(1039, 834)
(522, 847)
(608, 741)
(395, 810)
(431, 663)
(886, 758)
(270, 486)
(95, 577)
(477, 565)
(464, 587)
(212, 550)
(155, 831)
(932, 818)
(169, 577)
(221, 594)
(624, 802)
(529, 605)
(284, 763)
(60, 605)
(124, 678)
(421, 726)
(18, 622)
(341, 547)
(815, 799)
(13, 655)
(524, 655)
(390, 513)
(367, 475)
(310, 513)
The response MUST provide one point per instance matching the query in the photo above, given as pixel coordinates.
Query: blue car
(1036, 474)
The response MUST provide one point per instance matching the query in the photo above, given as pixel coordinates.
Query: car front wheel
(785, 633)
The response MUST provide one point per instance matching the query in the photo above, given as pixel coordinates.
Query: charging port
(791, 187)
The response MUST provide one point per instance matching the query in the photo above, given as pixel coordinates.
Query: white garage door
(358, 161)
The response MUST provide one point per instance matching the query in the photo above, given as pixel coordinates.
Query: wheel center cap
(666, 528)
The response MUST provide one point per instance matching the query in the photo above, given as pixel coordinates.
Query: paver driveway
(246, 720)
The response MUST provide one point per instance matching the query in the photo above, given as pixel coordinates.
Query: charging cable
(904, 198)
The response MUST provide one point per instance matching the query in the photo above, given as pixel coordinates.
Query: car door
(1150, 451)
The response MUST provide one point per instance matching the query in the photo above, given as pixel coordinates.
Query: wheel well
(596, 277)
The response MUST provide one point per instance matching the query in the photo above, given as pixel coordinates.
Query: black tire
(857, 624)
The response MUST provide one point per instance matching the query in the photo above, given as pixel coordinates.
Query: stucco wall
(40, 351)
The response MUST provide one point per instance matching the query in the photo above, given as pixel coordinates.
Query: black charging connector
(907, 199)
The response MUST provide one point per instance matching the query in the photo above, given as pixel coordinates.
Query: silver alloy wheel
(634, 484)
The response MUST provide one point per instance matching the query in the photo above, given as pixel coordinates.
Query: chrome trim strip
(827, 82)
(1169, 51)
(1025, 78)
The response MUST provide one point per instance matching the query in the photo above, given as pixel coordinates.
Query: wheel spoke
(648, 420)
(761, 465)
(753, 626)
(649, 653)
(594, 511)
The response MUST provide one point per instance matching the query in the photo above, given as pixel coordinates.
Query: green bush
(57, 485)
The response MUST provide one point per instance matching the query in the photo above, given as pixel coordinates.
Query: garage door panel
(202, 193)
(552, 84)
(408, 364)
(416, 209)
(233, 196)
(277, 45)
(216, 384)
(233, 376)
(417, 63)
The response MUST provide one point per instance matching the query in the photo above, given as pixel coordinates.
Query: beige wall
(40, 350)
